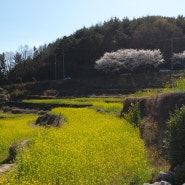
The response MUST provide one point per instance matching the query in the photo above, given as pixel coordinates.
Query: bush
(179, 84)
(50, 92)
(17, 94)
(175, 140)
(133, 115)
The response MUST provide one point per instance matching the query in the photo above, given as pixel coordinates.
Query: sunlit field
(90, 148)
(108, 104)
(12, 129)
(57, 101)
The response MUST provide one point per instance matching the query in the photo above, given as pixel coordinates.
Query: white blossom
(128, 59)
(178, 58)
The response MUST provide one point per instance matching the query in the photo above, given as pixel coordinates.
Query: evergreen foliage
(74, 55)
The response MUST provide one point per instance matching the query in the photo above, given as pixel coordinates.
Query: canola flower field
(90, 148)
(110, 105)
(13, 128)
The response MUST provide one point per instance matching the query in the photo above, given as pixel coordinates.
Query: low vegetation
(105, 104)
(162, 125)
(14, 128)
(175, 141)
(90, 148)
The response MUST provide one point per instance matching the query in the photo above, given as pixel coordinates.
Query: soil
(49, 120)
(5, 168)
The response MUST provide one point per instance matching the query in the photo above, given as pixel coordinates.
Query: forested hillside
(75, 55)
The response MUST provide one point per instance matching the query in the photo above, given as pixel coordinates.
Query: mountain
(75, 55)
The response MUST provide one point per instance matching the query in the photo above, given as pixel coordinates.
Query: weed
(133, 115)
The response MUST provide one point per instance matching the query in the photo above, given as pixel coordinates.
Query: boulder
(49, 120)
(158, 183)
(168, 176)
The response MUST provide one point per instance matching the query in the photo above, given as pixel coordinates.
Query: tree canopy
(129, 60)
(75, 55)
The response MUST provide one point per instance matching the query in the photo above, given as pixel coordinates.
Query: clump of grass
(133, 115)
(108, 107)
(17, 94)
(179, 84)
(50, 92)
(147, 92)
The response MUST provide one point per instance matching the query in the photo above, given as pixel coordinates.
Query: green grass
(106, 104)
(91, 148)
(179, 84)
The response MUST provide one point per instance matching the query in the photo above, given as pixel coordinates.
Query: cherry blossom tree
(129, 60)
(179, 60)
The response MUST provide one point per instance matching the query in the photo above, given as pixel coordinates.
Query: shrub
(175, 137)
(50, 92)
(133, 115)
(17, 94)
(179, 84)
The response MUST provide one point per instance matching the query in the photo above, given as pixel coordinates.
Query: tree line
(75, 55)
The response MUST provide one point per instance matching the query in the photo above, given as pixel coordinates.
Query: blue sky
(36, 22)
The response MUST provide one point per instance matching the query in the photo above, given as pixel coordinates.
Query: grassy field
(90, 148)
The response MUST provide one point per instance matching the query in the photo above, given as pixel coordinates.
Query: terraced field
(90, 148)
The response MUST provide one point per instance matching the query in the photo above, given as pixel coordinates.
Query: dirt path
(5, 168)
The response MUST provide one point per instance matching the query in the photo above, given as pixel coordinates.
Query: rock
(49, 120)
(158, 183)
(7, 163)
(5, 167)
(179, 174)
(14, 149)
(168, 176)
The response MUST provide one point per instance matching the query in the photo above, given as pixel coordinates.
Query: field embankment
(98, 85)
